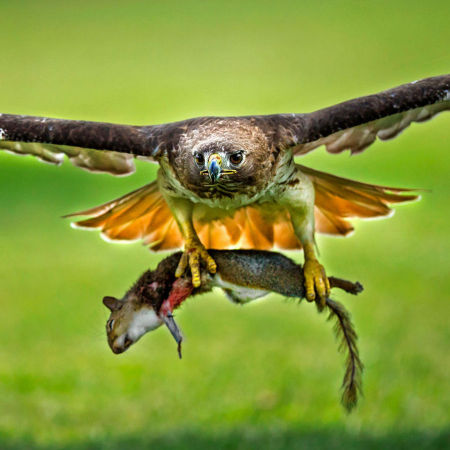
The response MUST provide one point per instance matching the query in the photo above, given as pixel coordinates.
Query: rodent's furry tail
(339, 199)
(347, 338)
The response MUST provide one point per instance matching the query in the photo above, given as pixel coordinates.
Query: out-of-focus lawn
(263, 376)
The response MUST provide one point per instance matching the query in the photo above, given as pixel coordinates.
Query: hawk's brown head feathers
(241, 149)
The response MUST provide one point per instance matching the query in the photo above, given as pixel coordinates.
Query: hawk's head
(220, 163)
(225, 160)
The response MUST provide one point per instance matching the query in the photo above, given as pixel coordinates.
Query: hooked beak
(214, 167)
(174, 330)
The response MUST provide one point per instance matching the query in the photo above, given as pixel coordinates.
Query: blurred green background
(263, 376)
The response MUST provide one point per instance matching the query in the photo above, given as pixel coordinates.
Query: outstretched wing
(355, 124)
(106, 147)
(94, 146)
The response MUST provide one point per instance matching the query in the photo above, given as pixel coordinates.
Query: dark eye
(110, 325)
(236, 158)
(199, 159)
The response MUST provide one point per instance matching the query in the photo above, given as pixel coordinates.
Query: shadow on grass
(252, 438)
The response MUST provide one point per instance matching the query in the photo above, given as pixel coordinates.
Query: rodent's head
(128, 322)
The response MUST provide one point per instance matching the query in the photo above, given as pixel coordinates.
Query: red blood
(181, 290)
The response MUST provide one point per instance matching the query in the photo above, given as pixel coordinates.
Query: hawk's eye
(199, 159)
(236, 158)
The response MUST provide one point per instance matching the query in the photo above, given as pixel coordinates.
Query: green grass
(263, 376)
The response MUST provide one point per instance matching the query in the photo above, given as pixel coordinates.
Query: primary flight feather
(227, 182)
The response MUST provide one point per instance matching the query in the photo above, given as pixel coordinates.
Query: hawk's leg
(316, 280)
(194, 250)
(299, 199)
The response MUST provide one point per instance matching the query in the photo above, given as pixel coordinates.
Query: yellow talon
(193, 253)
(181, 268)
(316, 281)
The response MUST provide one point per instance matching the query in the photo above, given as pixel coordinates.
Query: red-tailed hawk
(228, 182)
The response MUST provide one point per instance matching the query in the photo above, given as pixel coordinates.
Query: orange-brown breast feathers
(144, 215)
(253, 227)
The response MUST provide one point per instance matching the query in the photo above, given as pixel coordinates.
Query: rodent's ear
(112, 303)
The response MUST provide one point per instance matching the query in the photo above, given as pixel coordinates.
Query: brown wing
(106, 147)
(94, 146)
(355, 124)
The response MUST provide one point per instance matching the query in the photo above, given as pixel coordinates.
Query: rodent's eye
(199, 159)
(110, 325)
(236, 158)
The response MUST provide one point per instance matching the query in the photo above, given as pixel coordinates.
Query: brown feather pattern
(144, 214)
(107, 147)
(339, 199)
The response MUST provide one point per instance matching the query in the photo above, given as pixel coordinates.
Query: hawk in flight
(232, 182)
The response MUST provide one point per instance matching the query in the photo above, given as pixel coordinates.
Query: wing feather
(357, 139)
(339, 199)
(329, 223)
(144, 215)
(105, 147)
(93, 146)
(356, 124)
